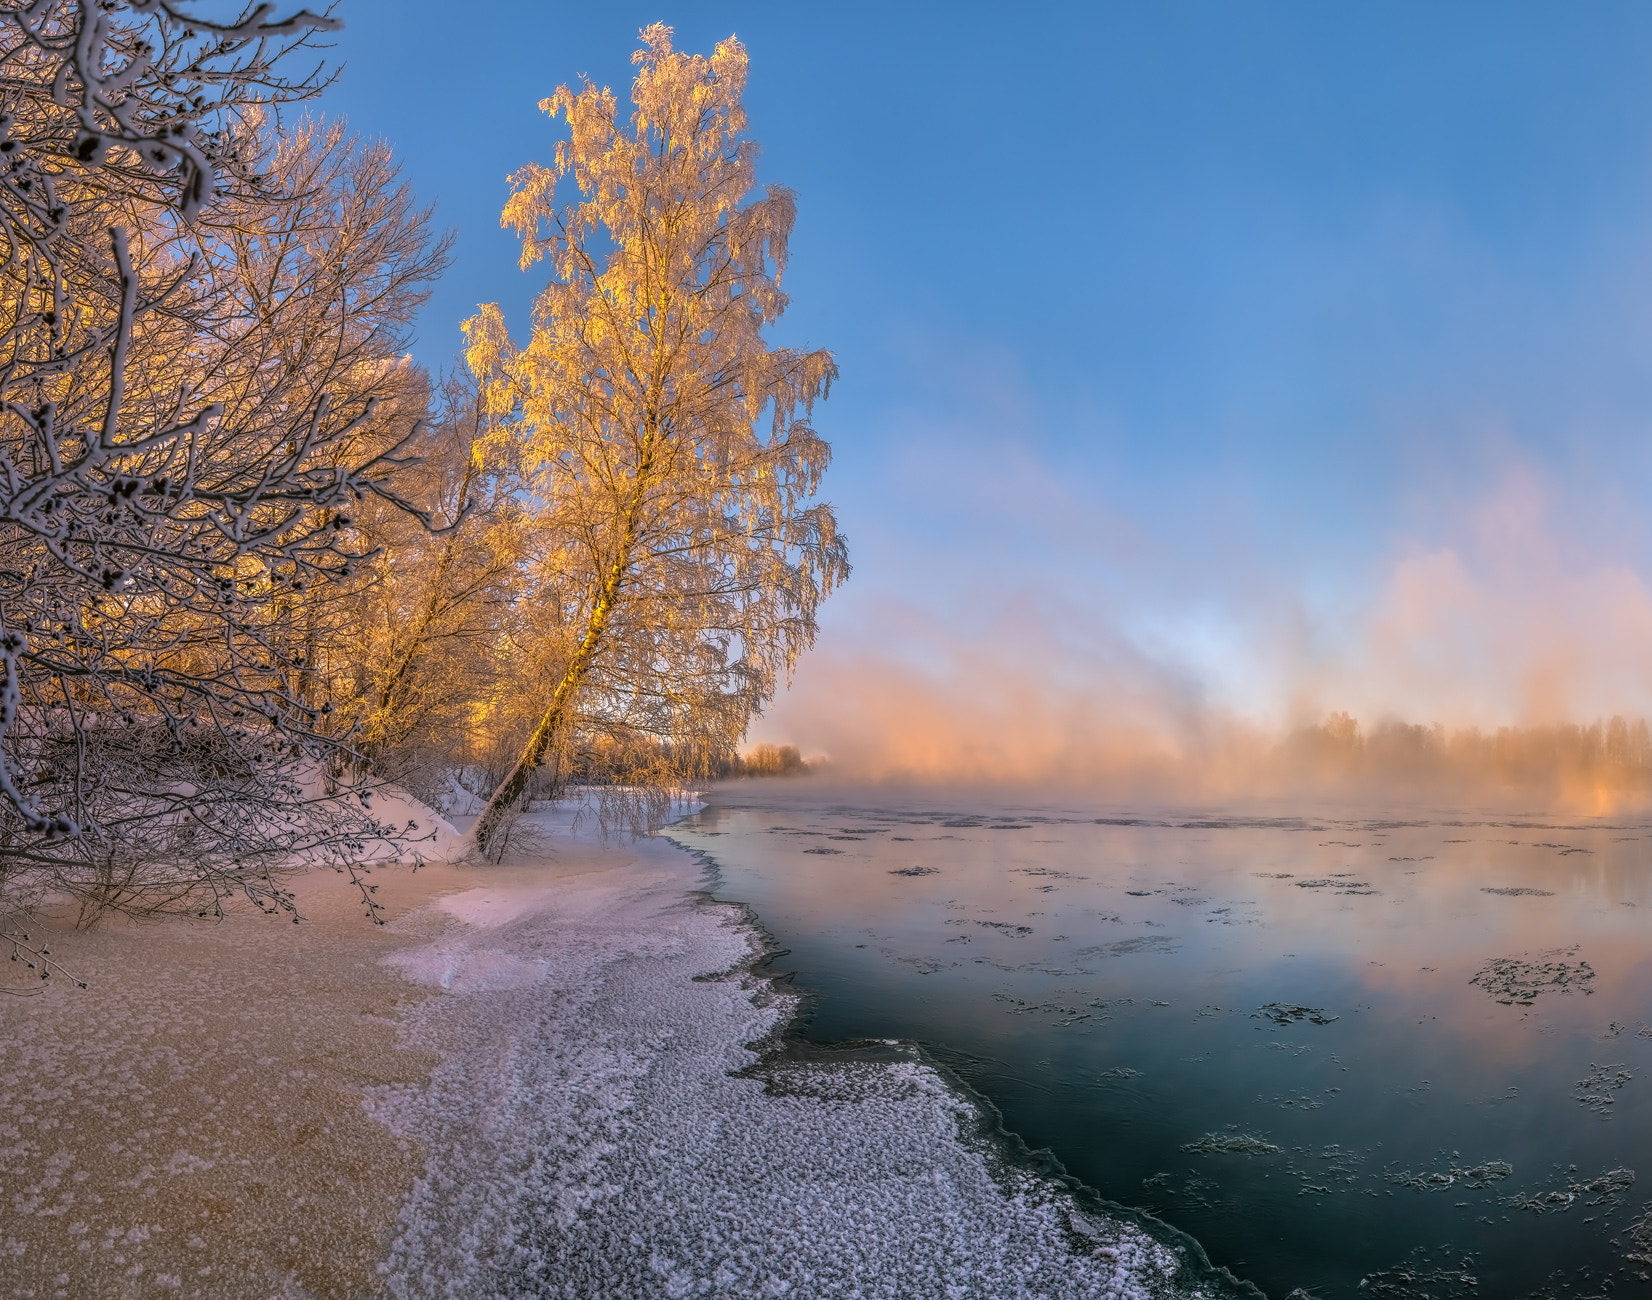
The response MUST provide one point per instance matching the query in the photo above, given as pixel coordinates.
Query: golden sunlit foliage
(770, 760)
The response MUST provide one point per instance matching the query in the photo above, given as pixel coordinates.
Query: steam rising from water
(1496, 660)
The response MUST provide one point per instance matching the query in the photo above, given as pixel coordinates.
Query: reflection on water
(1360, 1057)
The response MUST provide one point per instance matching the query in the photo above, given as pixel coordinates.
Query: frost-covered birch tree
(665, 446)
(200, 325)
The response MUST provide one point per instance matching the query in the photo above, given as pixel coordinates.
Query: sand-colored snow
(192, 1123)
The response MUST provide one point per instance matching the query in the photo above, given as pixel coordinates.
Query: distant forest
(1600, 763)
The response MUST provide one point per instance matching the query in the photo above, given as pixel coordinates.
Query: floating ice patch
(1335, 1165)
(1513, 980)
(1640, 1237)
(1606, 1190)
(1438, 1274)
(1064, 1015)
(1473, 1178)
(1124, 947)
(1296, 1103)
(1286, 1013)
(1241, 1144)
(1596, 1089)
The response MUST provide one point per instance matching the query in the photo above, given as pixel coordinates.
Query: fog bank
(1499, 650)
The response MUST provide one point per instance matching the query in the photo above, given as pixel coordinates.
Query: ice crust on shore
(586, 1133)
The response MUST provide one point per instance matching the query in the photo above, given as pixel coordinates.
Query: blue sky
(1187, 334)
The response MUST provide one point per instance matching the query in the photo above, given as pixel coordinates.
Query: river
(1395, 1054)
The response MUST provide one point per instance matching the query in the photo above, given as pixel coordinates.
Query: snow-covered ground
(551, 1057)
(191, 1124)
(588, 1133)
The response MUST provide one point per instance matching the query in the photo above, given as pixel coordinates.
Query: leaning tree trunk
(533, 754)
(556, 713)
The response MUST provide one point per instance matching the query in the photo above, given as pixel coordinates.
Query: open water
(1354, 1055)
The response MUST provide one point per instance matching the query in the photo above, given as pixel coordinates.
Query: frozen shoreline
(588, 1132)
(551, 1056)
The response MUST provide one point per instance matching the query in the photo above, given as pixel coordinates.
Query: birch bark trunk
(556, 712)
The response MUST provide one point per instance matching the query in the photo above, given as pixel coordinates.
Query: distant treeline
(768, 760)
(1607, 759)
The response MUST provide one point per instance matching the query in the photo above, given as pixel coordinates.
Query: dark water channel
(1363, 1057)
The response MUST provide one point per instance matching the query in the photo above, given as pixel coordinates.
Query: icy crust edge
(791, 1064)
(587, 1130)
(1004, 1148)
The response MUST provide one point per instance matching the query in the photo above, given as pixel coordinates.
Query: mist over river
(1353, 1053)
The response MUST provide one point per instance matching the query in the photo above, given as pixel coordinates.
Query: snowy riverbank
(560, 1114)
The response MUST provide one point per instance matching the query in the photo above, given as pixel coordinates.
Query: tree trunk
(533, 753)
(390, 691)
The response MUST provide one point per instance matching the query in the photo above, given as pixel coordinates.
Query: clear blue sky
(1181, 325)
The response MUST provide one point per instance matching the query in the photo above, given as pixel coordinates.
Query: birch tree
(665, 446)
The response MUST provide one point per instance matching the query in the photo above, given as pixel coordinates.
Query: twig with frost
(37, 958)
